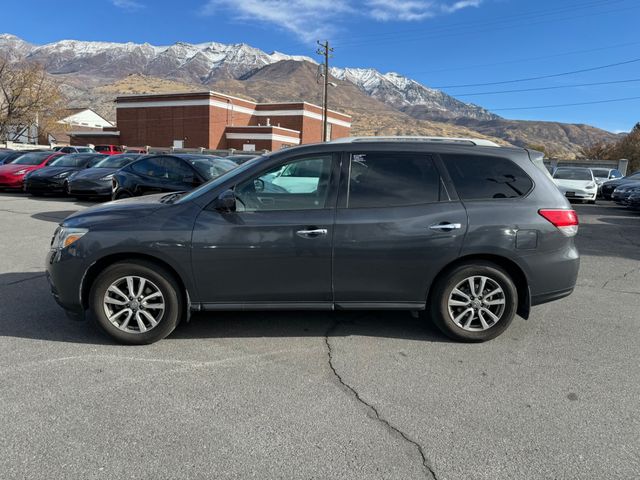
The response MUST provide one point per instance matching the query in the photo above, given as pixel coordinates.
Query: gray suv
(465, 232)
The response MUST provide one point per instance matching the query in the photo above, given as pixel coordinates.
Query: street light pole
(325, 51)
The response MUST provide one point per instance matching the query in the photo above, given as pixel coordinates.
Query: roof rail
(450, 140)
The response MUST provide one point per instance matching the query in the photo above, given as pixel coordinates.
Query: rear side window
(478, 177)
(391, 179)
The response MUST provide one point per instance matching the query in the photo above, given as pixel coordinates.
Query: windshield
(32, 158)
(71, 160)
(635, 176)
(600, 172)
(116, 161)
(211, 167)
(573, 174)
(213, 183)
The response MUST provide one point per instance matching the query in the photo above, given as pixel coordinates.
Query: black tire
(591, 202)
(438, 307)
(120, 194)
(160, 277)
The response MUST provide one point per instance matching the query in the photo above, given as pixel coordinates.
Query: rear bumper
(553, 275)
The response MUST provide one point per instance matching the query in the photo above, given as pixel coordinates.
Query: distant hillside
(93, 73)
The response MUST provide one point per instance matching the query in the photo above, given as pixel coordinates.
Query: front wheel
(474, 302)
(136, 302)
(121, 195)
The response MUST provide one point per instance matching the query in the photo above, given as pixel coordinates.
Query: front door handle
(312, 233)
(446, 227)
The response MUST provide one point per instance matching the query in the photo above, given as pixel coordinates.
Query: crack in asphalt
(374, 410)
(41, 275)
(620, 277)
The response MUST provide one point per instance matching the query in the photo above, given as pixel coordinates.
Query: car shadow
(27, 310)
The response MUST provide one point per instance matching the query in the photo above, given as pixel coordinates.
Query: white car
(576, 183)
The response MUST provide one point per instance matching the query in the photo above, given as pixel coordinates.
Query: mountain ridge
(380, 102)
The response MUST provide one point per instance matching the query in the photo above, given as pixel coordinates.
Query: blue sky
(441, 43)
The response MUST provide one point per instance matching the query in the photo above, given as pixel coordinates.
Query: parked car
(601, 175)
(167, 173)
(141, 151)
(609, 186)
(71, 149)
(8, 156)
(53, 178)
(109, 149)
(96, 181)
(576, 183)
(633, 201)
(621, 194)
(12, 174)
(464, 231)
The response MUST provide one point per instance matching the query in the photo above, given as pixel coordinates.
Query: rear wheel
(136, 302)
(474, 302)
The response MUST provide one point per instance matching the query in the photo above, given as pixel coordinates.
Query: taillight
(564, 220)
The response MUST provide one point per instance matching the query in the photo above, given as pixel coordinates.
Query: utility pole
(325, 51)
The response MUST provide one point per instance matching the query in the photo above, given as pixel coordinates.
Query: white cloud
(415, 10)
(308, 19)
(127, 4)
(318, 19)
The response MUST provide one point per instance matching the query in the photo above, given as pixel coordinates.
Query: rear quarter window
(479, 177)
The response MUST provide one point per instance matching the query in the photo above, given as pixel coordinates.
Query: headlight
(62, 175)
(107, 177)
(66, 236)
(591, 185)
(20, 172)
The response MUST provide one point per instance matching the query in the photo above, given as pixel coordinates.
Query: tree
(597, 151)
(629, 147)
(27, 94)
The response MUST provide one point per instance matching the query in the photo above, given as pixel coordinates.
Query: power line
(613, 82)
(552, 11)
(521, 60)
(453, 29)
(539, 107)
(540, 77)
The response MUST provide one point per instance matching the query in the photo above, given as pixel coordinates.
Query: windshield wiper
(171, 197)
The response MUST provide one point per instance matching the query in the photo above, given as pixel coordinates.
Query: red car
(12, 174)
(109, 149)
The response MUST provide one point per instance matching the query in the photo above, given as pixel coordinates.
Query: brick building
(214, 121)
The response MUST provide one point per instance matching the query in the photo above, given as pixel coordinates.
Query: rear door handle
(313, 233)
(446, 227)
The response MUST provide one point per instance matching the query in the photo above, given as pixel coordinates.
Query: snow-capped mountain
(206, 63)
(182, 61)
(401, 92)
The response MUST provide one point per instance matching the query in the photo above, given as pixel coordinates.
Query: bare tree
(597, 151)
(28, 96)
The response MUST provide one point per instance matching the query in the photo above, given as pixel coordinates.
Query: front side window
(149, 167)
(302, 184)
(388, 179)
(479, 177)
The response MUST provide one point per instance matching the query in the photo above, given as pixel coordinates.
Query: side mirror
(226, 201)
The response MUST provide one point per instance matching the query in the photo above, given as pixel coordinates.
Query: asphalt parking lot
(317, 395)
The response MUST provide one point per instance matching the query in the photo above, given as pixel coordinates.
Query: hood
(52, 171)
(620, 181)
(572, 183)
(94, 173)
(11, 168)
(127, 209)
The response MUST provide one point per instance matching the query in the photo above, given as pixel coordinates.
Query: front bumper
(578, 194)
(45, 185)
(65, 274)
(11, 181)
(90, 187)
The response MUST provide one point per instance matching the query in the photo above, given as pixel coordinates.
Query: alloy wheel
(477, 303)
(134, 304)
